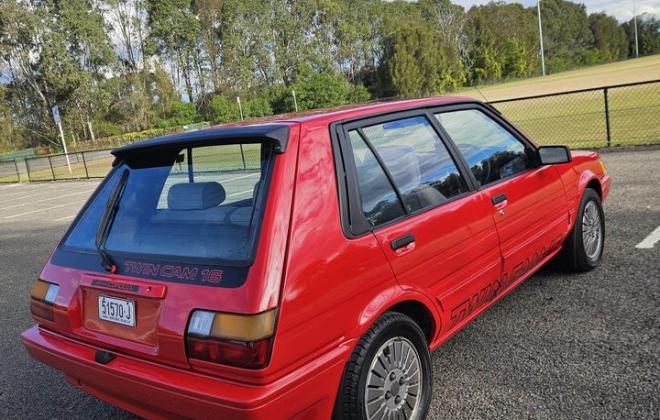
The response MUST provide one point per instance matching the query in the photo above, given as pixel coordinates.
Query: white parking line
(241, 177)
(39, 186)
(650, 241)
(65, 218)
(40, 210)
(39, 193)
(46, 199)
(240, 193)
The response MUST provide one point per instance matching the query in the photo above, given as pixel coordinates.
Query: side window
(492, 153)
(419, 163)
(379, 201)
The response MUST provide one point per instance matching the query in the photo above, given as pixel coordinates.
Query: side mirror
(549, 155)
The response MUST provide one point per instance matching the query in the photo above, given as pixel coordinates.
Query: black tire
(575, 255)
(350, 402)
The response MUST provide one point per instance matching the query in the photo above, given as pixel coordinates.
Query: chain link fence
(618, 115)
(77, 165)
(609, 116)
(97, 163)
(9, 171)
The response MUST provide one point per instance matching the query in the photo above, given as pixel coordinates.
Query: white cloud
(620, 9)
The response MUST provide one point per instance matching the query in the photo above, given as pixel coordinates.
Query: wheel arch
(594, 184)
(419, 313)
(414, 304)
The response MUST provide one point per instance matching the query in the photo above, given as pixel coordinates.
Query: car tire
(377, 379)
(583, 249)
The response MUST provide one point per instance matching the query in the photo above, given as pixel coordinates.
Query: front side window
(420, 166)
(196, 202)
(492, 152)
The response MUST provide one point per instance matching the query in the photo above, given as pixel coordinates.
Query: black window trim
(354, 222)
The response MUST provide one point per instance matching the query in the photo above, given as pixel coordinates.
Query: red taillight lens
(43, 296)
(231, 339)
(42, 310)
(252, 355)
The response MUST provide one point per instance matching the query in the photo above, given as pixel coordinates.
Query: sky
(620, 9)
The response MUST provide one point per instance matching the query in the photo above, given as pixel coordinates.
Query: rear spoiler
(279, 133)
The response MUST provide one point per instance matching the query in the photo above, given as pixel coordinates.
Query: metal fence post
(607, 118)
(18, 174)
(85, 165)
(50, 162)
(243, 156)
(27, 169)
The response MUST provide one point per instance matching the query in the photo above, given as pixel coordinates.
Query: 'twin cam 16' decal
(174, 271)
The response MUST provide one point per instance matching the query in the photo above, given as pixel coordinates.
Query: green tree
(503, 41)
(173, 33)
(648, 34)
(418, 59)
(58, 53)
(609, 37)
(567, 36)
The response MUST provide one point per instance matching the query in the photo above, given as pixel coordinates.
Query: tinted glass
(170, 207)
(379, 201)
(418, 161)
(492, 153)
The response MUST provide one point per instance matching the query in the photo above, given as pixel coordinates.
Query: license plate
(119, 311)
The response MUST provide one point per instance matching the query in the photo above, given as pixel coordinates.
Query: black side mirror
(549, 155)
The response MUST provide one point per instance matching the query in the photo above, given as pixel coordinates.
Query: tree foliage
(648, 33)
(120, 66)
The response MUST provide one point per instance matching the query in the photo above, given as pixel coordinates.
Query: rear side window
(200, 202)
(492, 152)
(420, 166)
(378, 198)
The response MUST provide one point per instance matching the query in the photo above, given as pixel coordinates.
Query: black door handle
(402, 241)
(499, 198)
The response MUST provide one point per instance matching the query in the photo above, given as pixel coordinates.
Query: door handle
(498, 199)
(402, 241)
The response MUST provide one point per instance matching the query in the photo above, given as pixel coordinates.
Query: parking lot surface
(560, 346)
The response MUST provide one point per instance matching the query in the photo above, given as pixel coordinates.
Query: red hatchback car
(305, 267)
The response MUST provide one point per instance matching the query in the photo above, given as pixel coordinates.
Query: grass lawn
(629, 71)
(578, 120)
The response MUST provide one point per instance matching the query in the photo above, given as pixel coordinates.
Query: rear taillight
(43, 296)
(231, 339)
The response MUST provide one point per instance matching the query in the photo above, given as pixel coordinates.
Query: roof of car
(373, 107)
(277, 127)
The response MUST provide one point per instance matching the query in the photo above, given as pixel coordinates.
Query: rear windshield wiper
(106, 223)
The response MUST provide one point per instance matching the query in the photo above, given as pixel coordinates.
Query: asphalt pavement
(560, 346)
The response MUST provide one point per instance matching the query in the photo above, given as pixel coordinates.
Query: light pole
(538, 9)
(295, 102)
(635, 20)
(240, 108)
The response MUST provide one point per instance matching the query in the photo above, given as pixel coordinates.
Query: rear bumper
(156, 391)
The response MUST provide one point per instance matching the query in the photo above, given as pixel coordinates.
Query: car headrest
(195, 196)
(403, 164)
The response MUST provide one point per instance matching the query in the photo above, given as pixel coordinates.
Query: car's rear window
(199, 202)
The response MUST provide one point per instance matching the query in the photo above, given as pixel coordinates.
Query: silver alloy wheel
(394, 381)
(592, 231)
